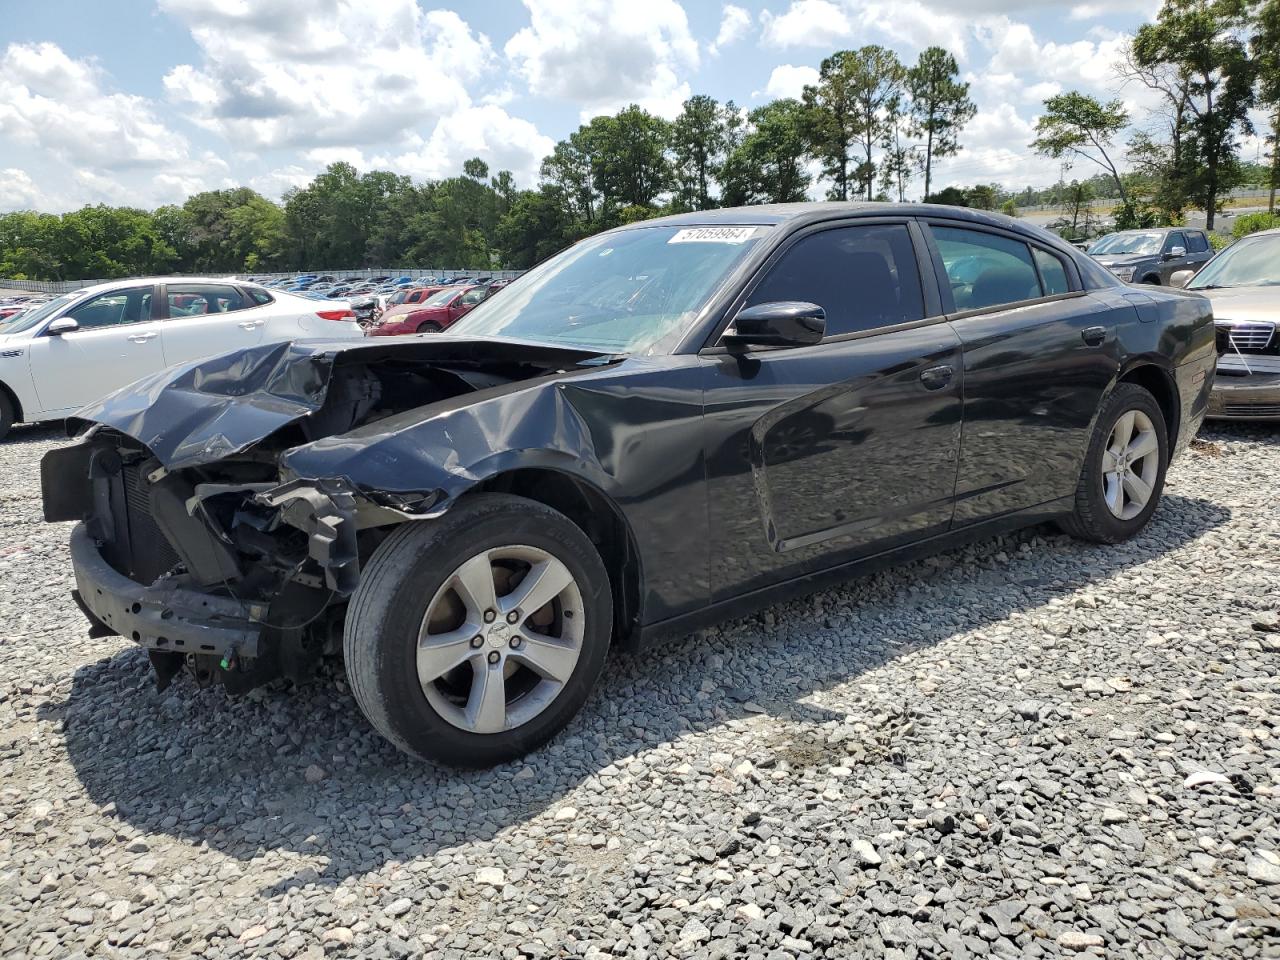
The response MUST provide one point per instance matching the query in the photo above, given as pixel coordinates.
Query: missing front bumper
(164, 617)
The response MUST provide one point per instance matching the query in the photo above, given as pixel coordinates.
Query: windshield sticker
(713, 235)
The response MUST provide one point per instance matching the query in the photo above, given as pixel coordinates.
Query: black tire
(400, 579)
(1152, 280)
(429, 327)
(7, 415)
(1092, 519)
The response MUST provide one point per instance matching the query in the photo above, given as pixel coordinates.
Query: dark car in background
(666, 424)
(1152, 256)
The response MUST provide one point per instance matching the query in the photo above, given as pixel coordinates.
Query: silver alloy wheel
(500, 639)
(1130, 465)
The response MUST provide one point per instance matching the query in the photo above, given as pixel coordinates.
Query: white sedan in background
(83, 345)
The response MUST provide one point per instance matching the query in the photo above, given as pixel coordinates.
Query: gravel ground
(1027, 748)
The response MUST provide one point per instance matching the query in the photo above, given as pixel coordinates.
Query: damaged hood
(200, 412)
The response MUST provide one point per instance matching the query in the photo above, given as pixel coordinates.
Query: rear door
(118, 342)
(822, 454)
(1038, 355)
(205, 319)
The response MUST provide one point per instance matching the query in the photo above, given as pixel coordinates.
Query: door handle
(141, 337)
(1093, 336)
(249, 324)
(935, 378)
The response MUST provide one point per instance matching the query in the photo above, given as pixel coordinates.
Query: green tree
(767, 166)
(1077, 125)
(537, 225)
(699, 142)
(628, 153)
(569, 168)
(1265, 44)
(940, 107)
(1202, 40)
(846, 114)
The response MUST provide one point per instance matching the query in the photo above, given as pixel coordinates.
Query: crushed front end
(222, 569)
(224, 506)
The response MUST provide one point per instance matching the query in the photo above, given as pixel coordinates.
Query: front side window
(199, 299)
(864, 277)
(1175, 240)
(472, 297)
(986, 270)
(113, 309)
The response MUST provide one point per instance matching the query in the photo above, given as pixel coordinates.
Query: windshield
(440, 298)
(635, 291)
(1251, 262)
(27, 319)
(1142, 244)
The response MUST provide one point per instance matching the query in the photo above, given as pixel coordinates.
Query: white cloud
(291, 73)
(603, 54)
(806, 23)
(275, 183)
(502, 141)
(95, 144)
(735, 23)
(787, 80)
(18, 191)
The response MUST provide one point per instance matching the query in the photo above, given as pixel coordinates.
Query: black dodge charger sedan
(663, 425)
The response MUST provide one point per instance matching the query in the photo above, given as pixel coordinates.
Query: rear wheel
(7, 415)
(475, 638)
(1124, 468)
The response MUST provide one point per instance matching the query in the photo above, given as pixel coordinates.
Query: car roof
(135, 281)
(802, 214)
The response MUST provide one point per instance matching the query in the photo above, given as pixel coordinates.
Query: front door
(117, 342)
(823, 454)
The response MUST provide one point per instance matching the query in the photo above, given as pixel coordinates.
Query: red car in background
(438, 312)
(407, 301)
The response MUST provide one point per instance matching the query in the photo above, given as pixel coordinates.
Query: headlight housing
(1124, 273)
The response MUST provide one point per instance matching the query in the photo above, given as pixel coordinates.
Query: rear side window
(199, 299)
(1197, 242)
(260, 297)
(864, 277)
(1053, 275)
(986, 270)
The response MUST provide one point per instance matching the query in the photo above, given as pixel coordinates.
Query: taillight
(346, 314)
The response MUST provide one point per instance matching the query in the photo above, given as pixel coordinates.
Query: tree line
(873, 126)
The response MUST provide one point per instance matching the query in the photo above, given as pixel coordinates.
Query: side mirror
(1176, 253)
(1181, 278)
(62, 325)
(785, 323)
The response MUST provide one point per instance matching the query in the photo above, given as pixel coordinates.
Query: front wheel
(1124, 468)
(475, 638)
(429, 327)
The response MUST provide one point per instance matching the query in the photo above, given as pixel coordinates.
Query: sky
(144, 102)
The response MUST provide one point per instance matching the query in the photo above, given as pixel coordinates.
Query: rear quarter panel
(1174, 331)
